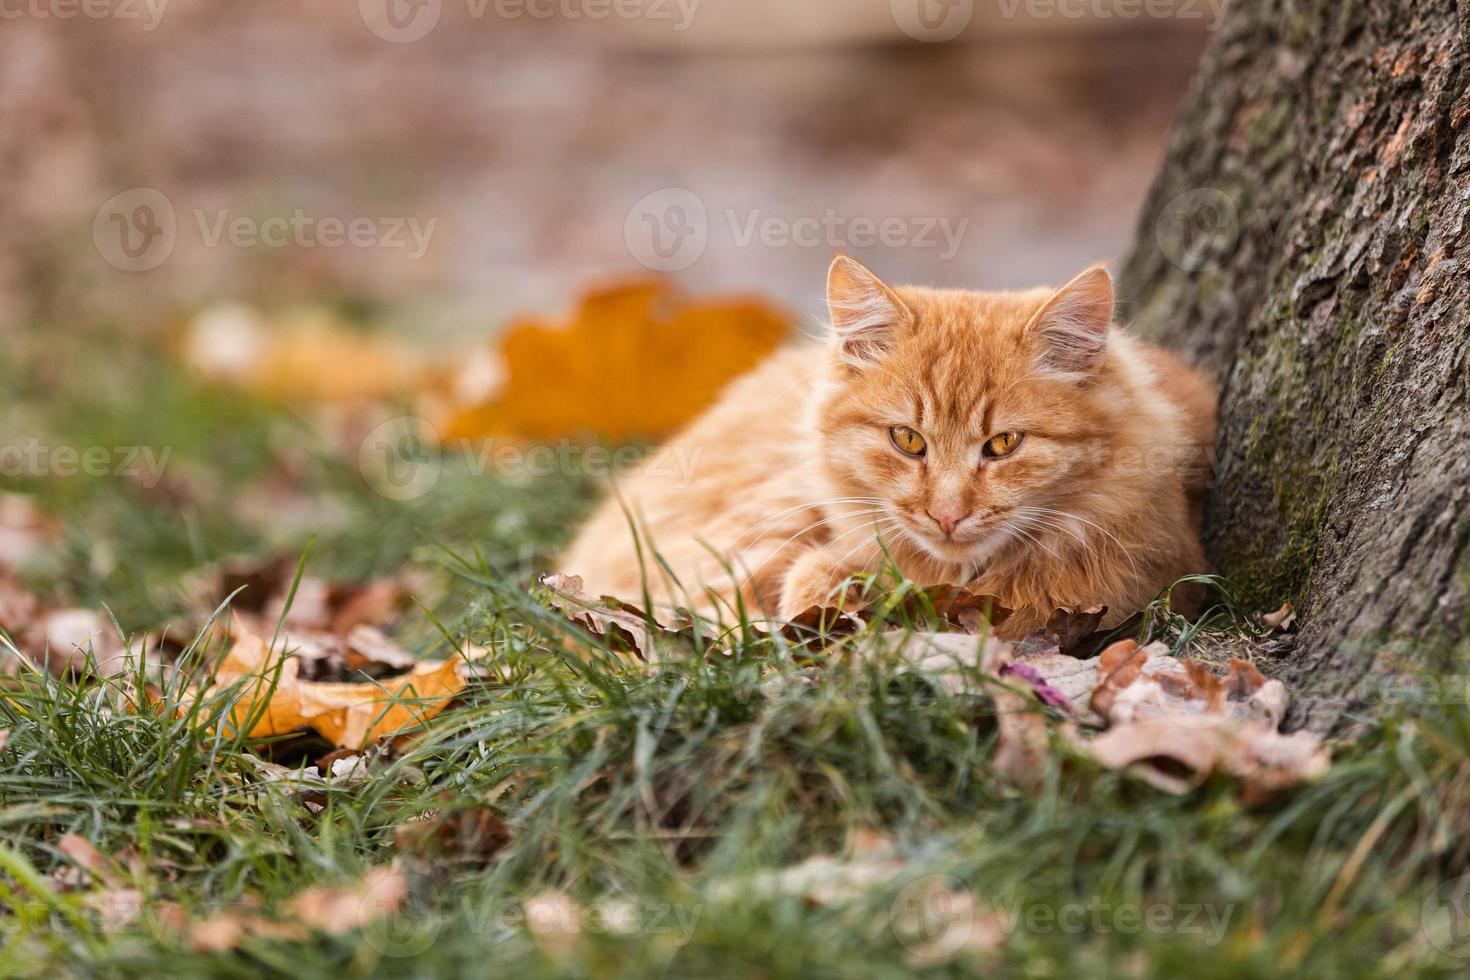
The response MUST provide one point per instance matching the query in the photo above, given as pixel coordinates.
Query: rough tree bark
(1304, 241)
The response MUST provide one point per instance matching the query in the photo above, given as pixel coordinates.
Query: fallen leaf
(17, 604)
(1263, 760)
(331, 909)
(625, 627)
(380, 893)
(1040, 686)
(1023, 742)
(1281, 620)
(272, 699)
(374, 603)
(63, 639)
(25, 530)
(465, 834)
(302, 355)
(370, 647)
(1072, 629)
(84, 855)
(554, 921)
(637, 360)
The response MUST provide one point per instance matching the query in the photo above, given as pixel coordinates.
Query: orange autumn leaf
(636, 360)
(273, 700)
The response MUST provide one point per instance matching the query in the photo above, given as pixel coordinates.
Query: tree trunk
(1303, 241)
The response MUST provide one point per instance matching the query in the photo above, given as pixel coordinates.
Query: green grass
(677, 791)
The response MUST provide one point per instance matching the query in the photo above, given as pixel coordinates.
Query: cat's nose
(947, 520)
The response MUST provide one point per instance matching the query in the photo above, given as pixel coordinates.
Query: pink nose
(947, 520)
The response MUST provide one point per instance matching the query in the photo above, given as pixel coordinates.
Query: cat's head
(970, 419)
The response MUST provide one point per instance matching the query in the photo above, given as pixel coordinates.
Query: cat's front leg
(817, 578)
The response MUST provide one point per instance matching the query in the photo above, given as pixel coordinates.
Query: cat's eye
(907, 441)
(1003, 445)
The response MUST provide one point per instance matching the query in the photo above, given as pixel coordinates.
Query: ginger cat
(1015, 441)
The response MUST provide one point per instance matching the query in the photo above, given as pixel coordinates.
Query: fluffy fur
(797, 485)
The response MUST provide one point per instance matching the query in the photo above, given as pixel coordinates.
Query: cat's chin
(953, 552)
(961, 554)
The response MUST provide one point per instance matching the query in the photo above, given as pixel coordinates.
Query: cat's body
(1014, 441)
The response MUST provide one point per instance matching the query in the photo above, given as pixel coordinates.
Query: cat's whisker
(832, 519)
(1034, 540)
(1126, 553)
(809, 505)
(877, 531)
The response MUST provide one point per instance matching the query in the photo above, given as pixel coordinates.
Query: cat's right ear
(866, 312)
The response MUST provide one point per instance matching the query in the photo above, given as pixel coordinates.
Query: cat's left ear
(866, 312)
(1071, 330)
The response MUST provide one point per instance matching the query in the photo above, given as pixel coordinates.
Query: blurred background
(375, 273)
(446, 164)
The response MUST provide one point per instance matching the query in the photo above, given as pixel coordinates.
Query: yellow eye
(1003, 445)
(907, 441)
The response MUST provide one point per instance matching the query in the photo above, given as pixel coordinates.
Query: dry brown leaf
(374, 603)
(370, 648)
(1172, 723)
(331, 909)
(61, 639)
(554, 920)
(17, 604)
(1263, 760)
(636, 360)
(349, 715)
(1023, 744)
(24, 530)
(1175, 729)
(1281, 620)
(471, 835)
(1066, 631)
(1118, 667)
(380, 893)
(626, 628)
(84, 855)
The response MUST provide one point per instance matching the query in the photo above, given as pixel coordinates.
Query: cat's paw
(812, 581)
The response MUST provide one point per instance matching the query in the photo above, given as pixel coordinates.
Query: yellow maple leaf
(348, 714)
(637, 360)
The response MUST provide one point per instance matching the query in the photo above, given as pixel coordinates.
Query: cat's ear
(1071, 330)
(866, 313)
